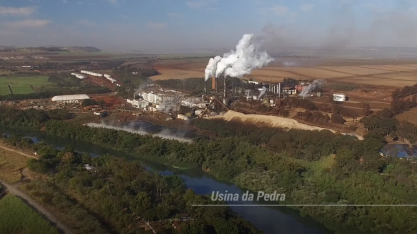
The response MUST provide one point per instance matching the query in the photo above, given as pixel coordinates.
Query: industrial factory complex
(215, 101)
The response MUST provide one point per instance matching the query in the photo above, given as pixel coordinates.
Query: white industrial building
(194, 102)
(339, 97)
(151, 97)
(79, 76)
(138, 103)
(70, 98)
(92, 73)
(109, 78)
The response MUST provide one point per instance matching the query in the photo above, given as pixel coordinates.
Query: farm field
(379, 72)
(167, 74)
(409, 116)
(22, 84)
(17, 217)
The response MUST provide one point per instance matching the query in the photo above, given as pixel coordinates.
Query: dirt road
(12, 189)
(18, 152)
(36, 206)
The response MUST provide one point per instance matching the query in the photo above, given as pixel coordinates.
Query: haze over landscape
(163, 26)
(167, 116)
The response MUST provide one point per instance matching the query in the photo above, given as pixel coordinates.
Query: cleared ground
(22, 84)
(375, 72)
(274, 121)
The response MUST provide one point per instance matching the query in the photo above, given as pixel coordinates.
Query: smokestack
(213, 83)
(279, 90)
(224, 87)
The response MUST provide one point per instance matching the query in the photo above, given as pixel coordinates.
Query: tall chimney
(279, 90)
(224, 87)
(213, 83)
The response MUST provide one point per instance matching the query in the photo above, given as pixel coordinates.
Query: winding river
(269, 219)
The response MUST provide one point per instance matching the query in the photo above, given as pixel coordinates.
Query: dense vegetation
(284, 166)
(17, 217)
(294, 162)
(118, 196)
(31, 118)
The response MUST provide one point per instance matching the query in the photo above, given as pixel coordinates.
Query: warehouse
(92, 73)
(70, 98)
(79, 76)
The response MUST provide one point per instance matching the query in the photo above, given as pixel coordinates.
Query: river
(269, 219)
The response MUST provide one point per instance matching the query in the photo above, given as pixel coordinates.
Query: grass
(11, 165)
(343, 87)
(409, 116)
(22, 84)
(4, 90)
(17, 217)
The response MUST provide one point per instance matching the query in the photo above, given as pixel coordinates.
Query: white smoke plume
(212, 67)
(289, 64)
(165, 134)
(240, 62)
(313, 85)
(263, 91)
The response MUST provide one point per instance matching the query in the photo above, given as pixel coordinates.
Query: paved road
(36, 206)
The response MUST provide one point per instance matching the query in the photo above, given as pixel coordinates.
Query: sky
(170, 26)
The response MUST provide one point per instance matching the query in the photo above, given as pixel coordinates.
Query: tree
(367, 109)
(336, 118)
(101, 103)
(386, 113)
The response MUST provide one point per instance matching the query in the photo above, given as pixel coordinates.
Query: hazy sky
(185, 25)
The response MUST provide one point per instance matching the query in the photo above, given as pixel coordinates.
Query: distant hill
(50, 49)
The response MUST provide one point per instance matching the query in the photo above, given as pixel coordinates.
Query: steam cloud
(240, 62)
(263, 91)
(165, 133)
(315, 84)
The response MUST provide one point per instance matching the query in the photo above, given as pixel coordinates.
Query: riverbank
(12, 171)
(271, 220)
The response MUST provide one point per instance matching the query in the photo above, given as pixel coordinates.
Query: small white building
(339, 97)
(70, 98)
(79, 76)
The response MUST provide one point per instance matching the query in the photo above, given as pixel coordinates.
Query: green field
(22, 84)
(17, 217)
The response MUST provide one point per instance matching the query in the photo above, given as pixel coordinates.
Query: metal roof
(70, 97)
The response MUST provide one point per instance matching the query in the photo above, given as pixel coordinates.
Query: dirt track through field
(12, 189)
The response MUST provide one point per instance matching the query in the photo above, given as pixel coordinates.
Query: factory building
(92, 73)
(70, 98)
(289, 90)
(151, 97)
(194, 103)
(79, 76)
(275, 88)
(138, 103)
